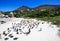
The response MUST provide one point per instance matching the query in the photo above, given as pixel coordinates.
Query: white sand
(47, 34)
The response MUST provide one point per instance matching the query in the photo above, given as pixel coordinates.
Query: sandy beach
(29, 30)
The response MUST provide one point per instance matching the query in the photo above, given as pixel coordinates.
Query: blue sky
(9, 5)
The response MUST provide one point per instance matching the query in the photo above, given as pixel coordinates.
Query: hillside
(39, 7)
(42, 12)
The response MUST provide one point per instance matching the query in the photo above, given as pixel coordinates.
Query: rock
(59, 32)
(6, 38)
(17, 33)
(10, 35)
(27, 32)
(15, 38)
(40, 29)
(0, 36)
(4, 33)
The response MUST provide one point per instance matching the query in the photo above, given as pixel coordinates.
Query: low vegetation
(48, 14)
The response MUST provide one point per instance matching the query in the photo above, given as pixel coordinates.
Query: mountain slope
(25, 8)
